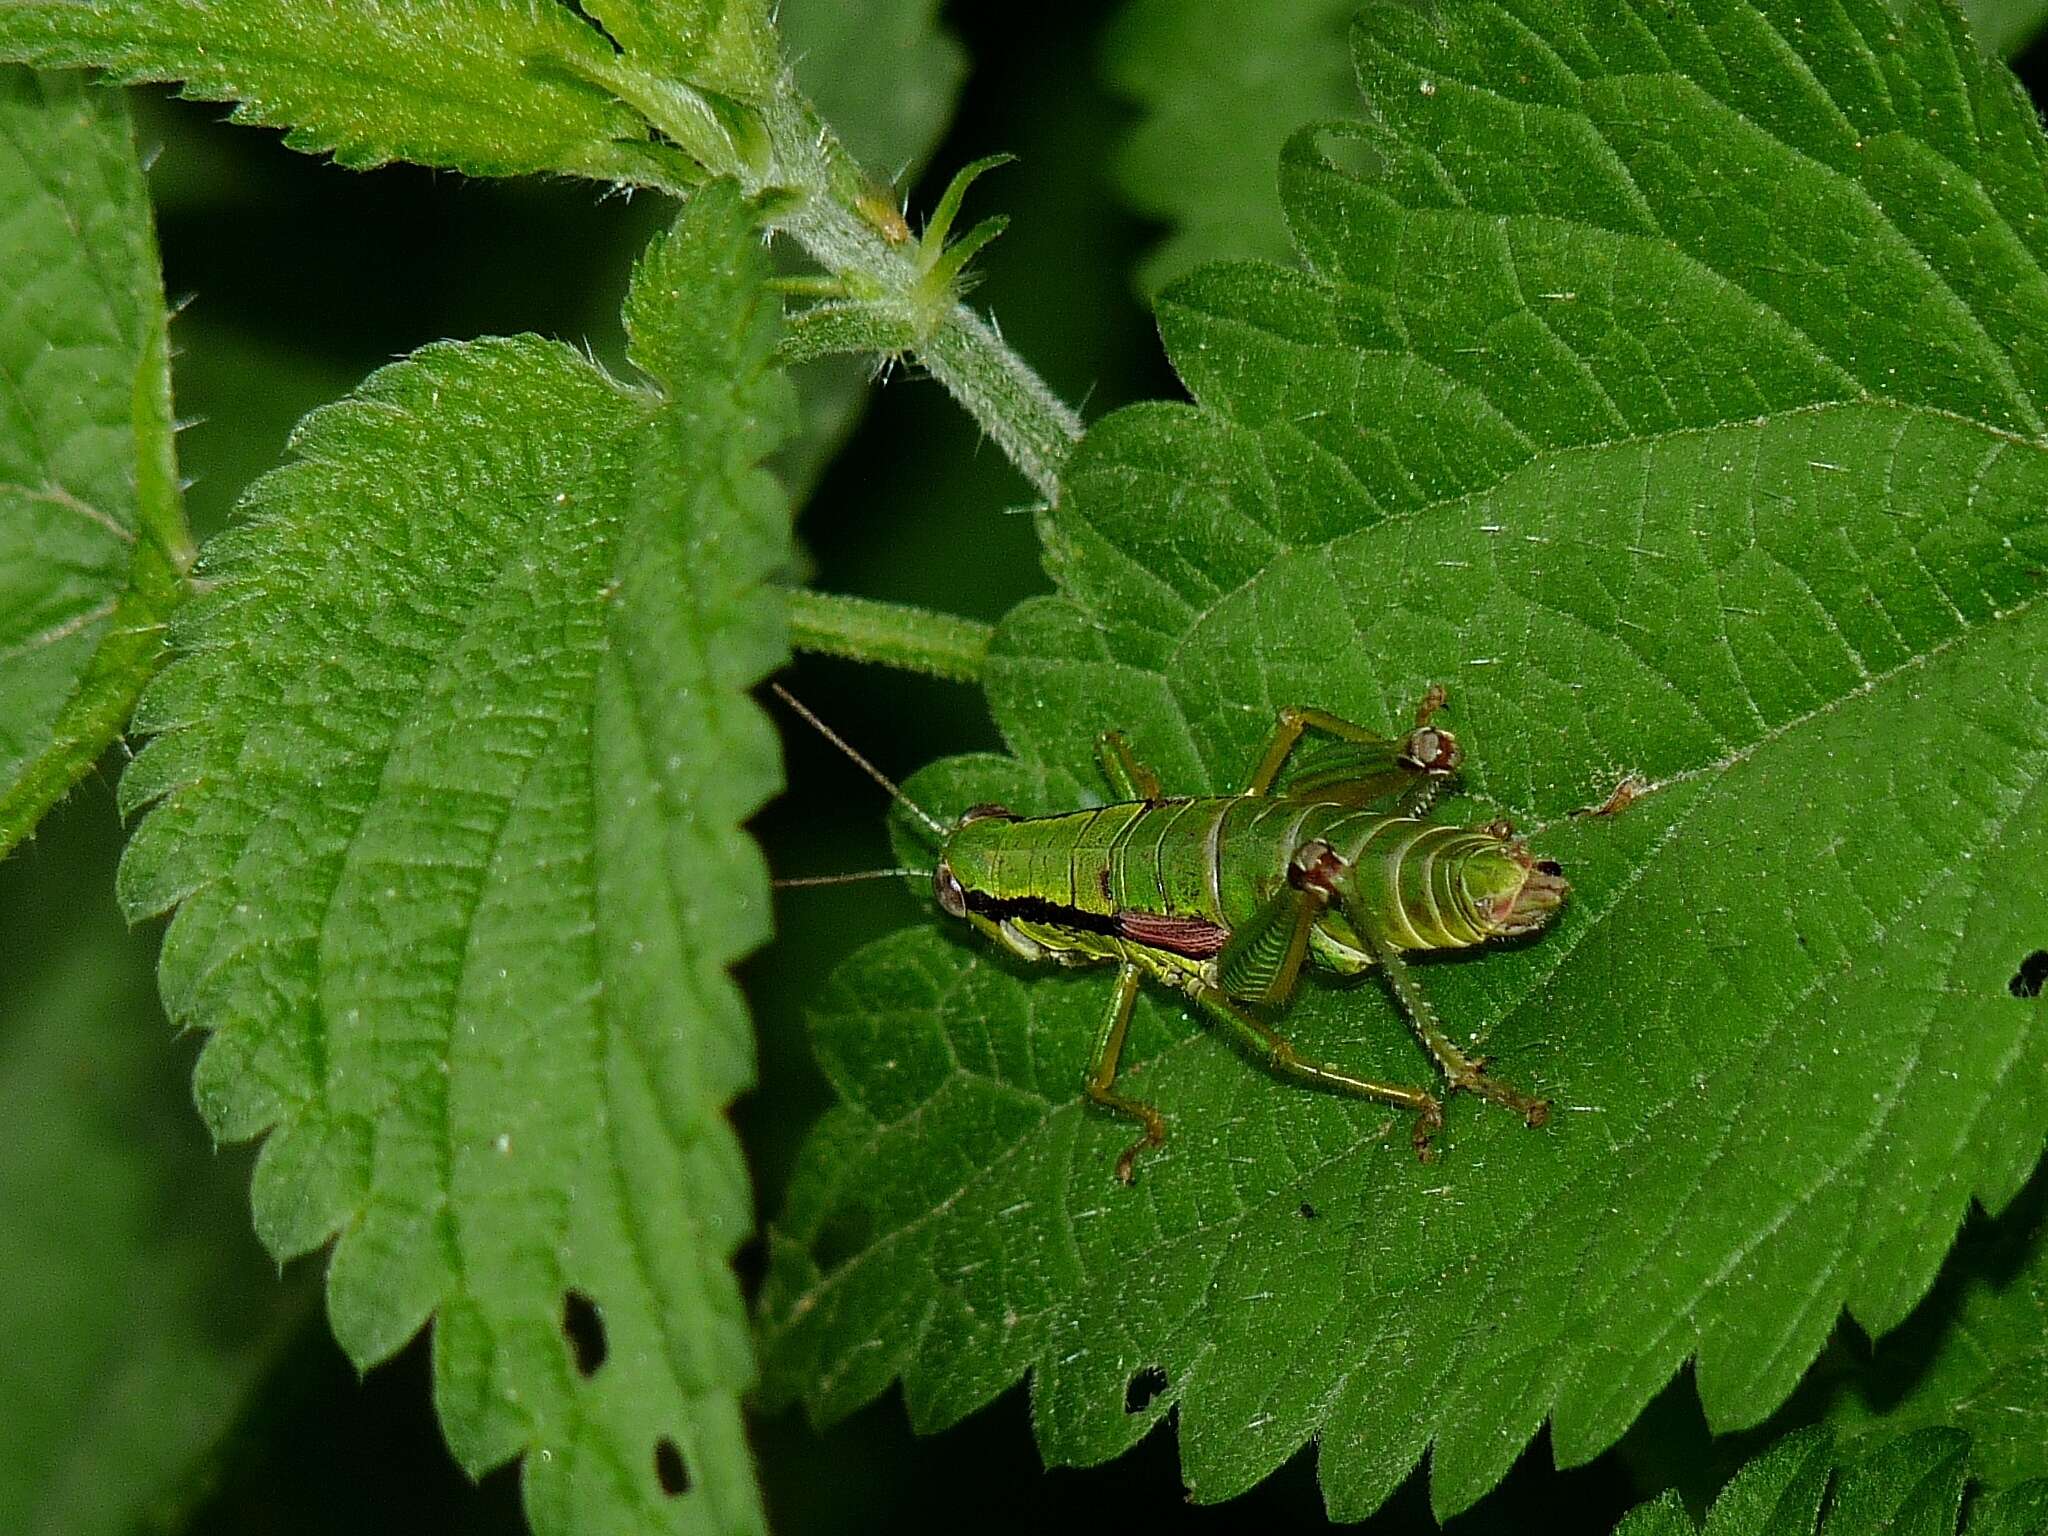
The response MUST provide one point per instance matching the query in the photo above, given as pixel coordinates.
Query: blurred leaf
(2004, 27)
(883, 73)
(1685, 419)
(136, 1308)
(92, 539)
(243, 392)
(482, 86)
(1220, 85)
(1975, 1354)
(1912, 1486)
(449, 775)
(886, 76)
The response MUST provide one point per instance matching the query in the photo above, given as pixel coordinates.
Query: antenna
(866, 874)
(938, 828)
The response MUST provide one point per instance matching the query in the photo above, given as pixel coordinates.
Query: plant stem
(812, 189)
(888, 634)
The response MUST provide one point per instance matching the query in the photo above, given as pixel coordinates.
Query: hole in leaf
(1144, 1386)
(841, 1235)
(583, 15)
(750, 1265)
(670, 1470)
(583, 1327)
(2032, 975)
(1351, 153)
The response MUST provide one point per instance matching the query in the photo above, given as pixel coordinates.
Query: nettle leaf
(93, 545)
(1913, 1484)
(1221, 84)
(1975, 1355)
(448, 781)
(1669, 387)
(492, 87)
(721, 45)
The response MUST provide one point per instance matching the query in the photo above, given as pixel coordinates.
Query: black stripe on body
(1040, 909)
(1195, 938)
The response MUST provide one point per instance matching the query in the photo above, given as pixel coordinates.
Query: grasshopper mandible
(1325, 856)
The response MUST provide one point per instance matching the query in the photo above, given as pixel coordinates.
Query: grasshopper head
(961, 863)
(1509, 892)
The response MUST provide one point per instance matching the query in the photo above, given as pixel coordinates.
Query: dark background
(302, 279)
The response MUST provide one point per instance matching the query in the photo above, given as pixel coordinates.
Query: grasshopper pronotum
(1325, 856)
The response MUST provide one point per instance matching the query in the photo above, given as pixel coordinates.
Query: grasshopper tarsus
(1533, 1110)
(1423, 1135)
(1127, 1164)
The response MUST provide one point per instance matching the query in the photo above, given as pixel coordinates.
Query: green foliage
(447, 779)
(484, 86)
(885, 76)
(1912, 1486)
(883, 73)
(1222, 83)
(1663, 380)
(137, 1308)
(1671, 391)
(1974, 1356)
(2004, 27)
(92, 538)
(726, 46)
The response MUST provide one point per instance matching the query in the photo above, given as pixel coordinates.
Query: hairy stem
(889, 634)
(812, 190)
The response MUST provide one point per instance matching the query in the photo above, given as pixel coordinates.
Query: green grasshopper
(1325, 855)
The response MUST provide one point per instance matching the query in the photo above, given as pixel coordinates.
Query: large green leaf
(1912, 1486)
(1667, 383)
(92, 537)
(137, 1308)
(1222, 83)
(484, 86)
(448, 782)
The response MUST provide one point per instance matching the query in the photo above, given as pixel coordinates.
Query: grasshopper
(1326, 856)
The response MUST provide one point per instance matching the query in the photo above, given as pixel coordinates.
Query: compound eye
(946, 888)
(1431, 751)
